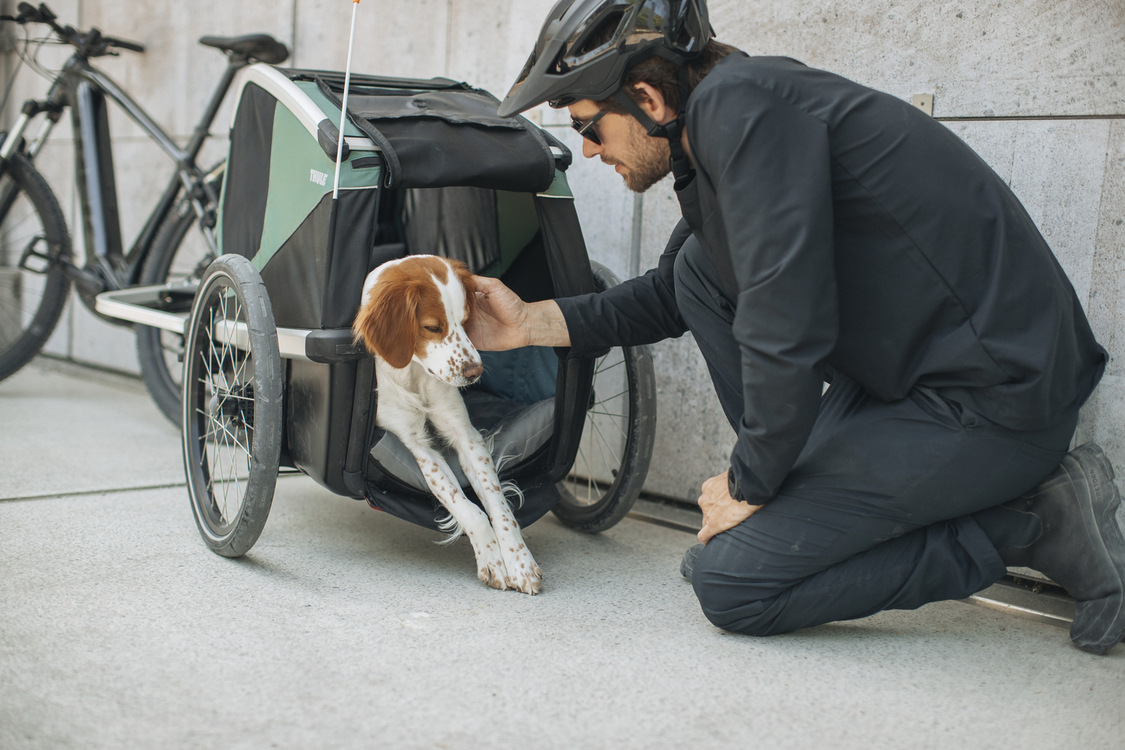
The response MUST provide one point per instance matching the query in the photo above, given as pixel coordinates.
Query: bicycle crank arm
(90, 281)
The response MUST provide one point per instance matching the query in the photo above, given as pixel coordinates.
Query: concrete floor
(344, 627)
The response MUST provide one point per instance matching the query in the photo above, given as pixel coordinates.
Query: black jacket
(857, 233)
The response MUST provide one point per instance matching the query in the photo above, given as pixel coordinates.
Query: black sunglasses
(586, 129)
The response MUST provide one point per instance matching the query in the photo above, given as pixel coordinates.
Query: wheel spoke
(602, 368)
(606, 451)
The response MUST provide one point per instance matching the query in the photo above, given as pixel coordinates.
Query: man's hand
(720, 510)
(504, 321)
(500, 321)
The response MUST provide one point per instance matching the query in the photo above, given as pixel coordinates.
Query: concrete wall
(1036, 86)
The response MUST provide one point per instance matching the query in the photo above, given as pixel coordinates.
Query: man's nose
(590, 149)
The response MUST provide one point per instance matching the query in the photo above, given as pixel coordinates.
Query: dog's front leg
(471, 519)
(523, 572)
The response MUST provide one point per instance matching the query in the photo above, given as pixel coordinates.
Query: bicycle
(37, 268)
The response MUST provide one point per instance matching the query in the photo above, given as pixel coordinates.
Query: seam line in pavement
(657, 521)
(59, 495)
(143, 488)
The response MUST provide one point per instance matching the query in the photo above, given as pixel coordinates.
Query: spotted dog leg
(523, 572)
(470, 518)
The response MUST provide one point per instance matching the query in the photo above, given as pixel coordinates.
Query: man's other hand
(720, 510)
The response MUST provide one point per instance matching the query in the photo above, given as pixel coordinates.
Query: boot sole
(1099, 624)
(687, 564)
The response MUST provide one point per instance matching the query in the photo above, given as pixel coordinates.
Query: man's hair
(664, 76)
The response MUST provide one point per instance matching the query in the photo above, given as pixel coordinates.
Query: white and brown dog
(412, 319)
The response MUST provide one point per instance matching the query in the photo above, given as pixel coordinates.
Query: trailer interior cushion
(516, 431)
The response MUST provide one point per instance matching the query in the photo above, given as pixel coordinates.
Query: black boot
(687, 565)
(1081, 547)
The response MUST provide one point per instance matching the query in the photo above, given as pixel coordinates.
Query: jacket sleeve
(638, 311)
(769, 166)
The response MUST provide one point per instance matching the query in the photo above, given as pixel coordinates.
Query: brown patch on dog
(404, 312)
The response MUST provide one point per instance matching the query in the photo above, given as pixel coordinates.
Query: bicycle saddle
(261, 47)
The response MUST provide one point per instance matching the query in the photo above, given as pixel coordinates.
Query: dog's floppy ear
(387, 322)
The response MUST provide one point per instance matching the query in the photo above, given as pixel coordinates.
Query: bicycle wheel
(232, 406)
(33, 287)
(179, 257)
(616, 446)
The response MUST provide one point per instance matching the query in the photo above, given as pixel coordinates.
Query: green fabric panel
(297, 164)
(518, 225)
(519, 222)
(330, 110)
(560, 188)
(301, 174)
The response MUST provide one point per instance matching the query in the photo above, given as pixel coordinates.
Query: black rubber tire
(174, 262)
(232, 418)
(616, 447)
(35, 213)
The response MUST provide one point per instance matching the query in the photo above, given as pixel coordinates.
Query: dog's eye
(433, 329)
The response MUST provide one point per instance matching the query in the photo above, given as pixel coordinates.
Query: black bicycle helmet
(568, 64)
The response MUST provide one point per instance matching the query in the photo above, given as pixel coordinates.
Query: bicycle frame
(84, 89)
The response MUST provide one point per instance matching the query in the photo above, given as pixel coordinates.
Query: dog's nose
(473, 370)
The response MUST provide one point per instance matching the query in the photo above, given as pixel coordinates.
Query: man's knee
(729, 599)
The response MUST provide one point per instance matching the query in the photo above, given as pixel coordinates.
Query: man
(834, 234)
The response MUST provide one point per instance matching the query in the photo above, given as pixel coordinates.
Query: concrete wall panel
(605, 207)
(693, 438)
(1056, 168)
(391, 38)
(175, 77)
(1057, 174)
(489, 42)
(28, 84)
(1106, 306)
(96, 342)
(1029, 57)
(1103, 419)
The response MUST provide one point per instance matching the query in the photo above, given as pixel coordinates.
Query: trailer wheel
(616, 445)
(232, 418)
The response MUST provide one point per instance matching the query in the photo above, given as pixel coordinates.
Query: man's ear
(653, 104)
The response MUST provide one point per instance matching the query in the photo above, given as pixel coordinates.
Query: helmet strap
(672, 131)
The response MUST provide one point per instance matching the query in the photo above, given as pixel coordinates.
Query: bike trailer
(428, 168)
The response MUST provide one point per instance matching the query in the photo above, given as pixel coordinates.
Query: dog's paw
(524, 574)
(490, 567)
(529, 582)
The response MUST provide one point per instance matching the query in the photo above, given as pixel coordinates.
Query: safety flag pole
(344, 105)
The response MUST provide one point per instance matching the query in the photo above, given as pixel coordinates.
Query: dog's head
(415, 309)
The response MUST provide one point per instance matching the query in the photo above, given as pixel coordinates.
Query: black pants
(877, 511)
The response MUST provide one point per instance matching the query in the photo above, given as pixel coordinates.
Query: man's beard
(648, 163)
(650, 169)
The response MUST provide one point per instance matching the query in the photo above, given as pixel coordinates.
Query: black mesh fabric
(453, 222)
(316, 277)
(248, 172)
